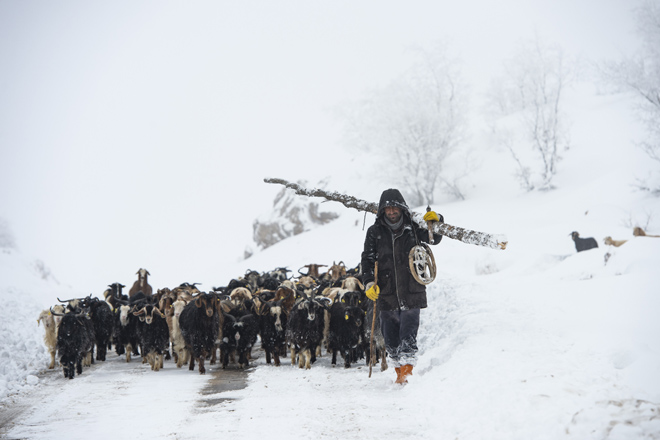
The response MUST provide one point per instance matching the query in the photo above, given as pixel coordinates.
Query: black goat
(75, 341)
(280, 273)
(155, 335)
(346, 332)
(103, 320)
(200, 325)
(273, 325)
(306, 329)
(126, 332)
(113, 294)
(239, 334)
(583, 244)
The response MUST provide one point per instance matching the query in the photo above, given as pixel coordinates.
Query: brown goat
(287, 296)
(639, 232)
(141, 285)
(337, 271)
(616, 243)
(312, 270)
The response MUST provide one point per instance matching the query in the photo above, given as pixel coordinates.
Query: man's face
(392, 213)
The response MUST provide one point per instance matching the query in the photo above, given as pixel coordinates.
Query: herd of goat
(584, 244)
(300, 316)
(296, 315)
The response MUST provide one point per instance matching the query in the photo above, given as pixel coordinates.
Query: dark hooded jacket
(398, 288)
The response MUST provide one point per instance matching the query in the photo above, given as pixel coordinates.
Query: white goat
(352, 283)
(50, 334)
(178, 343)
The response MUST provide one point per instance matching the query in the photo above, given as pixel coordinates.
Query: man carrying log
(395, 276)
(398, 294)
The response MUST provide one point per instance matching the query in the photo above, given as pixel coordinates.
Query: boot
(403, 373)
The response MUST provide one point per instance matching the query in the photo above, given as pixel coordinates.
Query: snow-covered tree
(640, 74)
(411, 126)
(526, 114)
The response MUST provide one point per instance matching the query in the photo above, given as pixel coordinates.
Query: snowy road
(129, 400)
(110, 396)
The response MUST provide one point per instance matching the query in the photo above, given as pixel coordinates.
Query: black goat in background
(583, 244)
(103, 319)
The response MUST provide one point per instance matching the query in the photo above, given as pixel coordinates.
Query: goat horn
(55, 313)
(227, 315)
(66, 300)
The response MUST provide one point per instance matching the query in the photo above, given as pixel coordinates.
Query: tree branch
(454, 232)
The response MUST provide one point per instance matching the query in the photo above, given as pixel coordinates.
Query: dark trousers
(399, 329)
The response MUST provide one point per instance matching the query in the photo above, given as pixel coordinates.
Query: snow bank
(25, 290)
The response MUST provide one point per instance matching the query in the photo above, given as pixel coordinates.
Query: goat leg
(213, 356)
(293, 355)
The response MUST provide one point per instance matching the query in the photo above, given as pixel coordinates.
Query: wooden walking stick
(372, 354)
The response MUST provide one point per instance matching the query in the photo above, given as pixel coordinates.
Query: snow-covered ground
(534, 342)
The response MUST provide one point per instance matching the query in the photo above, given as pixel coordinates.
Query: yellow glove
(431, 216)
(372, 291)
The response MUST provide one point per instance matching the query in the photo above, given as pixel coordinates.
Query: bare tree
(640, 74)
(413, 125)
(526, 111)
